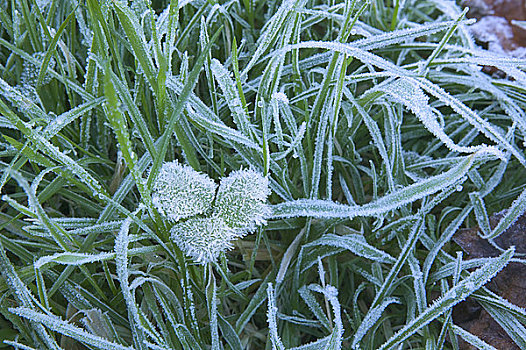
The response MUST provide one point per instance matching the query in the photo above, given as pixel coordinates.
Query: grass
(378, 133)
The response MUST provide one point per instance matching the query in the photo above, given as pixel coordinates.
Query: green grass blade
(454, 296)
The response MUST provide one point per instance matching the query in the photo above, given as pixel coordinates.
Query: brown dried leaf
(510, 283)
(494, 26)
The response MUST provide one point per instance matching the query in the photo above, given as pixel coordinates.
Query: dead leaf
(510, 283)
(495, 28)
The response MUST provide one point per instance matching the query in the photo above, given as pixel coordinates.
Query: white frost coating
(203, 239)
(281, 18)
(314, 306)
(233, 98)
(331, 294)
(473, 118)
(180, 192)
(121, 263)
(404, 35)
(409, 194)
(294, 146)
(71, 258)
(472, 339)
(354, 243)
(56, 324)
(61, 121)
(18, 346)
(370, 319)
(315, 345)
(241, 200)
(216, 343)
(25, 104)
(498, 33)
(454, 296)
(219, 128)
(97, 322)
(288, 256)
(271, 318)
(280, 96)
(479, 208)
(438, 92)
(517, 208)
(412, 96)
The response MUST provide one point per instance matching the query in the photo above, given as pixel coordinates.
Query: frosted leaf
(212, 300)
(42, 4)
(23, 99)
(315, 345)
(121, 262)
(18, 346)
(280, 96)
(233, 98)
(181, 192)
(58, 325)
(72, 258)
(288, 256)
(284, 15)
(331, 294)
(411, 193)
(241, 200)
(472, 339)
(314, 306)
(29, 74)
(61, 121)
(321, 272)
(404, 35)
(455, 295)
(219, 128)
(272, 320)
(473, 118)
(370, 320)
(203, 239)
(190, 305)
(517, 208)
(84, 29)
(412, 96)
(354, 243)
(98, 323)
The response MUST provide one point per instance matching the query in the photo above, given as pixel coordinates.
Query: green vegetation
(372, 121)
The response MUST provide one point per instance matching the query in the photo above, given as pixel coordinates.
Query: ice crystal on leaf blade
(181, 192)
(210, 227)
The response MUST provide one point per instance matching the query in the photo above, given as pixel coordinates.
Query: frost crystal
(203, 238)
(180, 192)
(241, 200)
(210, 227)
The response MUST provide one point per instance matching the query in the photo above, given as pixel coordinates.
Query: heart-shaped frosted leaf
(241, 198)
(180, 192)
(203, 238)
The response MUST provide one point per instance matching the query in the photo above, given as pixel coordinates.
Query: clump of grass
(372, 122)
